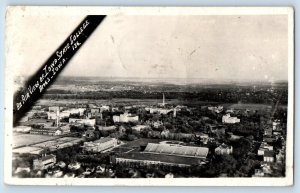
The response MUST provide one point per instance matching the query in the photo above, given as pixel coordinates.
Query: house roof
(269, 154)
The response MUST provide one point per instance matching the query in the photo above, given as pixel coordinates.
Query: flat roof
(27, 149)
(103, 140)
(173, 159)
(185, 151)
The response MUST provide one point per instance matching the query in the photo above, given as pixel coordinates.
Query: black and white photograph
(154, 96)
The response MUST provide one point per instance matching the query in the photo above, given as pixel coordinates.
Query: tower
(57, 117)
(174, 112)
(163, 103)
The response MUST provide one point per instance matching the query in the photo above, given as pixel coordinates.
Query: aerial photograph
(187, 96)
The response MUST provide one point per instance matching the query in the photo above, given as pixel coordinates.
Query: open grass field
(20, 140)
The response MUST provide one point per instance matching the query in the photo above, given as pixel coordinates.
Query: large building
(100, 145)
(228, 119)
(166, 154)
(60, 115)
(125, 118)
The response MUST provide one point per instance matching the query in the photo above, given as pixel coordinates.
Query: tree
(241, 148)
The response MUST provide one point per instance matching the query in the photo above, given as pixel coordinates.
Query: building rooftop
(185, 151)
(269, 154)
(174, 159)
(224, 146)
(47, 157)
(103, 140)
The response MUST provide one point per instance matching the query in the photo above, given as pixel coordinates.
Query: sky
(231, 47)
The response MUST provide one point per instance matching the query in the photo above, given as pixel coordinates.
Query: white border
(64, 11)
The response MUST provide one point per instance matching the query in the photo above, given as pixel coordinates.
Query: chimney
(57, 117)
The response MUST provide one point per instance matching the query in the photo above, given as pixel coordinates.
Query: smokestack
(163, 99)
(57, 117)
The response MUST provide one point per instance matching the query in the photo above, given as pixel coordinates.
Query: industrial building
(100, 145)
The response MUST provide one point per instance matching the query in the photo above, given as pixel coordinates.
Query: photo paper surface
(149, 96)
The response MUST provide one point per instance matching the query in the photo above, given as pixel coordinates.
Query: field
(20, 140)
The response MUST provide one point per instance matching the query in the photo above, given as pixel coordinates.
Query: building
(79, 111)
(58, 116)
(87, 122)
(258, 173)
(104, 108)
(224, 149)
(54, 109)
(22, 129)
(107, 128)
(125, 118)
(44, 163)
(268, 131)
(163, 111)
(216, 109)
(166, 154)
(228, 119)
(157, 124)
(269, 156)
(276, 125)
(138, 128)
(204, 138)
(95, 111)
(89, 134)
(46, 131)
(176, 149)
(263, 148)
(280, 157)
(65, 129)
(100, 145)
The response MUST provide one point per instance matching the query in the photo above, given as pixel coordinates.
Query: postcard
(149, 96)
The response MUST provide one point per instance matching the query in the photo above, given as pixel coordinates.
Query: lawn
(29, 139)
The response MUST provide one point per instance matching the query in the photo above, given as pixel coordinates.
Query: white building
(100, 145)
(104, 108)
(217, 109)
(138, 128)
(263, 148)
(269, 156)
(224, 149)
(87, 122)
(125, 118)
(276, 125)
(22, 129)
(228, 119)
(163, 111)
(79, 111)
(61, 115)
